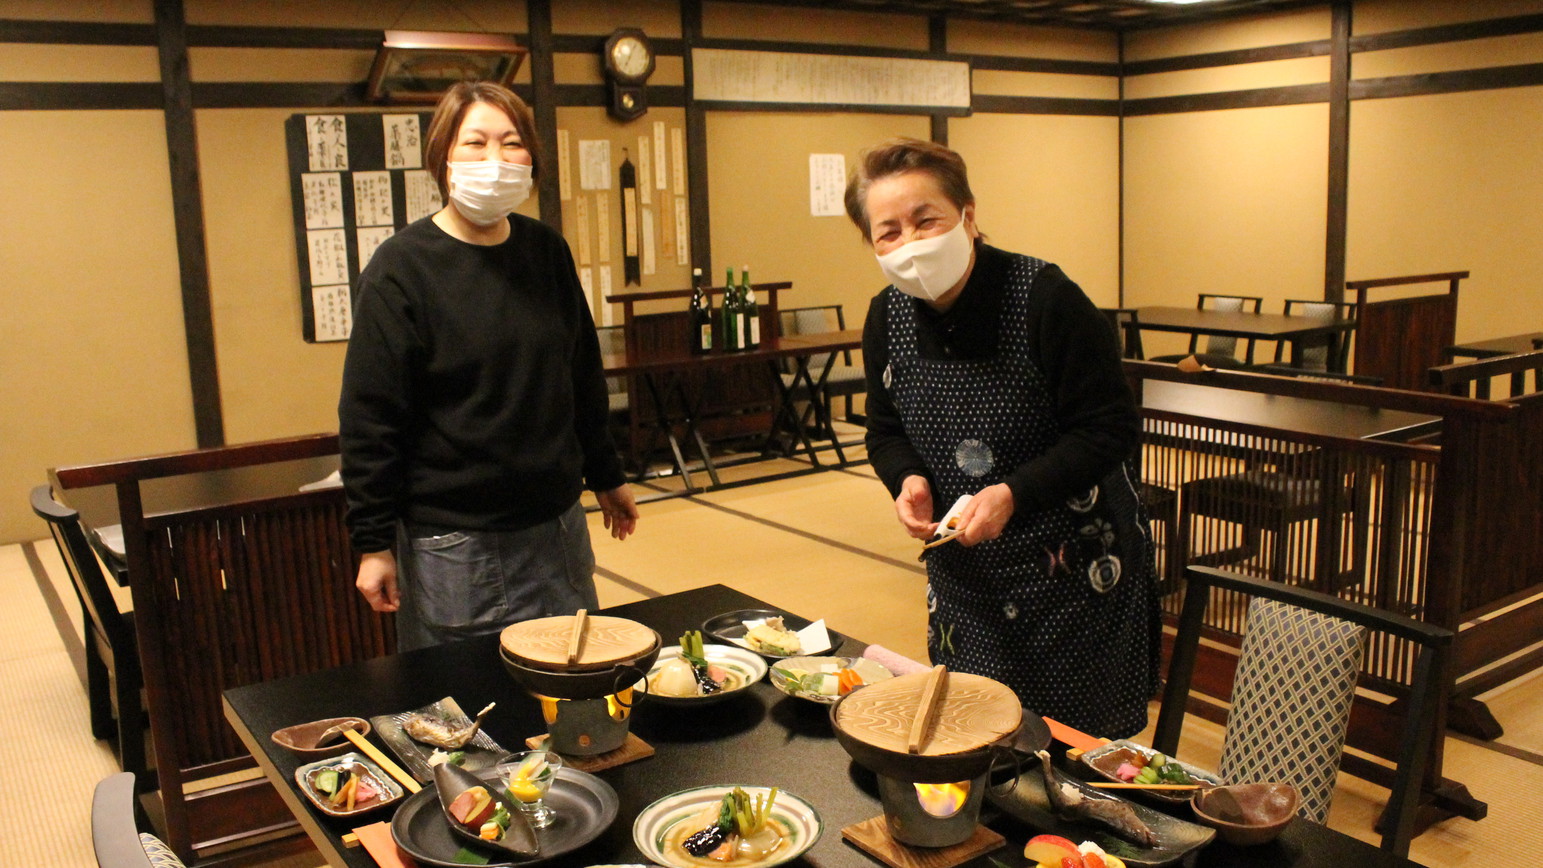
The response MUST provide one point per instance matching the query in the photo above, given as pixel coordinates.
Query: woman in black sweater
(993, 379)
(474, 408)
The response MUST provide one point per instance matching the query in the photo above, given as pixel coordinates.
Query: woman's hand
(619, 510)
(985, 515)
(914, 507)
(377, 581)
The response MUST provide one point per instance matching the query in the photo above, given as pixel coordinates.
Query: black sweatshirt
(1074, 347)
(473, 395)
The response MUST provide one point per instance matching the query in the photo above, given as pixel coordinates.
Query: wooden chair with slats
(113, 679)
(236, 592)
(1330, 353)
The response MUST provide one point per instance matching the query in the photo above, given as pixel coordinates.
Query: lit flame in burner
(618, 706)
(942, 800)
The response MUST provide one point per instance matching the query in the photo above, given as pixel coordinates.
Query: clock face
(630, 56)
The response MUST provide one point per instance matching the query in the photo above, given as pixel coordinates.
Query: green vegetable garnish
(691, 648)
(750, 817)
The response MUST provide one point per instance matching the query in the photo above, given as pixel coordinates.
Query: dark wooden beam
(1337, 221)
(52, 95)
(543, 81)
(1043, 105)
(1317, 48)
(1425, 84)
(1511, 26)
(937, 43)
(188, 211)
(1299, 94)
(696, 143)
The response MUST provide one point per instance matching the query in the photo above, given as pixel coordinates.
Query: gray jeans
(472, 583)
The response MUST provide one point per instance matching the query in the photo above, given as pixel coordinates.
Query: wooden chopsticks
(576, 638)
(385, 762)
(927, 709)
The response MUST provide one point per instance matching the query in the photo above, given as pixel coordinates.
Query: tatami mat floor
(823, 544)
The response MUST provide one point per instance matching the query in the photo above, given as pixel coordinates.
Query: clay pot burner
(582, 669)
(931, 737)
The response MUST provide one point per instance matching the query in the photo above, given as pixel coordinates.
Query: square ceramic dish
(1104, 761)
(389, 790)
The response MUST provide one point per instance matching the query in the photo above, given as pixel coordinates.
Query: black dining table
(663, 374)
(759, 738)
(1293, 329)
(1489, 349)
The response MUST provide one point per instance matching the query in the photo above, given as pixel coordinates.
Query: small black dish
(730, 628)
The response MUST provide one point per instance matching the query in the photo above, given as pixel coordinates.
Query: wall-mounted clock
(629, 61)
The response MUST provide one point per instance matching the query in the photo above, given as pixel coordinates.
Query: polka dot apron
(1061, 607)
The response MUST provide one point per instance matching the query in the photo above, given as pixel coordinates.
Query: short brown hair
(896, 157)
(452, 110)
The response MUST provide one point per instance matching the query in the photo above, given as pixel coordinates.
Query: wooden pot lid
(543, 643)
(973, 713)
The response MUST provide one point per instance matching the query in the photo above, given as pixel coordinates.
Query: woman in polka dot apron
(992, 375)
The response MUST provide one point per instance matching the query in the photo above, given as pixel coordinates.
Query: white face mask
(929, 267)
(487, 191)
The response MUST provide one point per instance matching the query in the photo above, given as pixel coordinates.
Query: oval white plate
(870, 671)
(800, 825)
(747, 665)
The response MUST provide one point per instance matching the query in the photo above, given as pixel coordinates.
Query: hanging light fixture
(416, 66)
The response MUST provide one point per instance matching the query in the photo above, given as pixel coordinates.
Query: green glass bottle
(701, 315)
(730, 318)
(750, 312)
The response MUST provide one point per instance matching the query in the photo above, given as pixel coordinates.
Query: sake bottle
(730, 318)
(701, 315)
(749, 310)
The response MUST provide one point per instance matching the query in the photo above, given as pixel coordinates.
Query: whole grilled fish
(1072, 803)
(438, 732)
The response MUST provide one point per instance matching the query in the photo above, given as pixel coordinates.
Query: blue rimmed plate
(661, 827)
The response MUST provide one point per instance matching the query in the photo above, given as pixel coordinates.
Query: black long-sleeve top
(473, 396)
(1074, 347)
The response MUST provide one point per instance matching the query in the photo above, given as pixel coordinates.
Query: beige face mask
(929, 267)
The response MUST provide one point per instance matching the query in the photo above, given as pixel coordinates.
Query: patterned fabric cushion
(1291, 701)
(1316, 357)
(1222, 345)
(158, 853)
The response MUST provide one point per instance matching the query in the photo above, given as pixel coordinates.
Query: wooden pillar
(1339, 155)
(188, 211)
(543, 81)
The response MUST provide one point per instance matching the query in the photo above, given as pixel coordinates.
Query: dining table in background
(664, 372)
(1295, 330)
(759, 737)
(1488, 349)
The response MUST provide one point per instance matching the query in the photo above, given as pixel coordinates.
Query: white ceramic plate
(870, 671)
(801, 826)
(745, 668)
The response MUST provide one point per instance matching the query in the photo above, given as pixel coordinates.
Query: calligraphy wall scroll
(355, 179)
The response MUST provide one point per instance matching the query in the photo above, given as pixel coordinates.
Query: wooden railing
(1412, 522)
